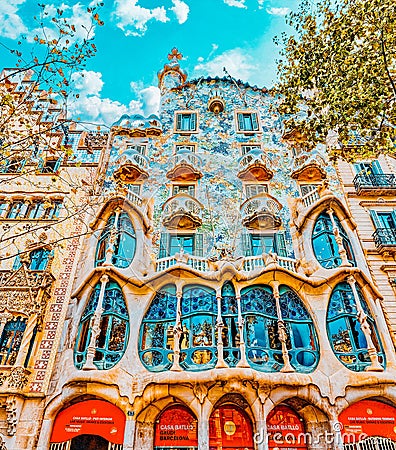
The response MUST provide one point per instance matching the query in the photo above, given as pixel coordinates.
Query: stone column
(338, 238)
(219, 326)
(365, 326)
(282, 333)
(129, 434)
(113, 236)
(95, 326)
(25, 343)
(242, 346)
(261, 437)
(203, 429)
(177, 332)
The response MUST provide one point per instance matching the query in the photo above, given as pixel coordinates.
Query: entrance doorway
(285, 429)
(230, 428)
(176, 429)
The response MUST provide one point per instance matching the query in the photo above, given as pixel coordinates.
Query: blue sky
(138, 34)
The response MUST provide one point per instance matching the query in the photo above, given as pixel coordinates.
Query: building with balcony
(231, 291)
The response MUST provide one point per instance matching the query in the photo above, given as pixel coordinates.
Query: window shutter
(193, 122)
(178, 122)
(246, 244)
(281, 244)
(254, 122)
(375, 219)
(164, 243)
(241, 126)
(198, 247)
(191, 190)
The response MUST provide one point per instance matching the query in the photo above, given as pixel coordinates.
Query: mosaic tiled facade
(223, 288)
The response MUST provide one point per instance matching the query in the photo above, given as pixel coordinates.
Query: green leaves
(338, 74)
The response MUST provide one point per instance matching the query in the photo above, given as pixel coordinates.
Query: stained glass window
(112, 340)
(263, 347)
(124, 244)
(10, 341)
(324, 243)
(344, 329)
(39, 259)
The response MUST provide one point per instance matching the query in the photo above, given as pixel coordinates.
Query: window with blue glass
(345, 332)
(263, 347)
(156, 333)
(324, 242)
(197, 339)
(10, 340)
(39, 259)
(248, 121)
(230, 332)
(112, 341)
(124, 244)
(197, 345)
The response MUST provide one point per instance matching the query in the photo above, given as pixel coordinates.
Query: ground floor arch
(176, 429)
(286, 429)
(230, 428)
(89, 425)
(369, 425)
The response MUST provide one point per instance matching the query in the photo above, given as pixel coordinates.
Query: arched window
(263, 347)
(10, 340)
(124, 243)
(198, 325)
(324, 243)
(229, 314)
(39, 259)
(156, 333)
(112, 340)
(344, 329)
(197, 344)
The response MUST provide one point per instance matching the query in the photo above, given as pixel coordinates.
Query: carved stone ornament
(201, 392)
(17, 378)
(2, 444)
(95, 140)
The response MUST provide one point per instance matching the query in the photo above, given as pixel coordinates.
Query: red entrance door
(230, 429)
(285, 430)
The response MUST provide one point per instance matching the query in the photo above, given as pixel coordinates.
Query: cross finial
(175, 54)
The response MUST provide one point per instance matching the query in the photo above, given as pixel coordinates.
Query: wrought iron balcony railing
(375, 183)
(385, 239)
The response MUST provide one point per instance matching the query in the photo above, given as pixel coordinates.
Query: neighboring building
(231, 289)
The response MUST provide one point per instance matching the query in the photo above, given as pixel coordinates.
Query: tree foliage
(338, 76)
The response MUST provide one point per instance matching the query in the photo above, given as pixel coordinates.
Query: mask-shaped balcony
(132, 166)
(308, 166)
(184, 166)
(255, 166)
(183, 212)
(375, 183)
(261, 212)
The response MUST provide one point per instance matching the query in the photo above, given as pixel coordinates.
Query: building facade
(230, 290)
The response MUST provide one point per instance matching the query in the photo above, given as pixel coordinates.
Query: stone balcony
(182, 211)
(385, 240)
(255, 166)
(261, 212)
(184, 166)
(375, 184)
(308, 166)
(131, 166)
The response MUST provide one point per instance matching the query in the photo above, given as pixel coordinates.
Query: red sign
(285, 429)
(230, 428)
(90, 417)
(176, 427)
(368, 418)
